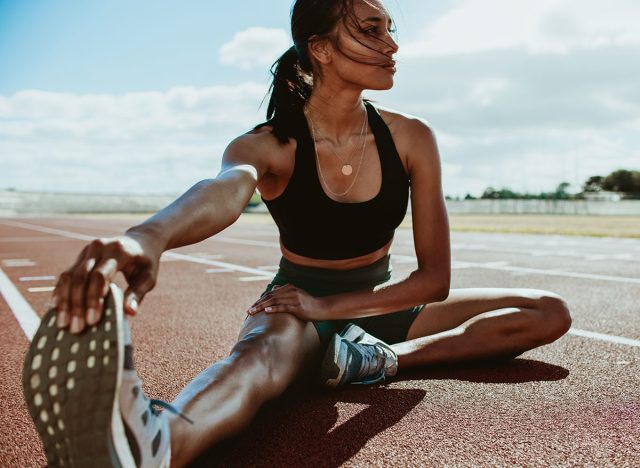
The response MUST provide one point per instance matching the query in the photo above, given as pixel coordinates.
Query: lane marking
(18, 262)
(206, 261)
(255, 278)
(235, 240)
(26, 316)
(41, 289)
(57, 232)
(218, 270)
(31, 239)
(29, 320)
(37, 278)
(504, 266)
(604, 337)
(29, 317)
(569, 274)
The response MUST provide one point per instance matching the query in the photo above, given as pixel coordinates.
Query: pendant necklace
(347, 168)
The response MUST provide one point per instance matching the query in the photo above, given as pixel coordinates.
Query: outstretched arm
(204, 210)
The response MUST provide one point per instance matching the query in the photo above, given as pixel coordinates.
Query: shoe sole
(333, 364)
(71, 385)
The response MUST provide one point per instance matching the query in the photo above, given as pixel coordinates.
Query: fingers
(275, 301)
(90, 278)
(139, 285)
(80, 291)
(97, 286)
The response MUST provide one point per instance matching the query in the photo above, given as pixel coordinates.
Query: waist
(324, 281)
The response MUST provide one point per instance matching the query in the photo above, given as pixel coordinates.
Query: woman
(335, 173)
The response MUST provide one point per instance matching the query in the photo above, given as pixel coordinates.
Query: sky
(142, 97)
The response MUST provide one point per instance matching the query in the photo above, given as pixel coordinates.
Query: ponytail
(290, 89)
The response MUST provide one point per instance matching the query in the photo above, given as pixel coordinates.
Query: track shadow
(299, 428)
(490, 371)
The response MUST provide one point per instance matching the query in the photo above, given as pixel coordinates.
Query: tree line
(622, 181)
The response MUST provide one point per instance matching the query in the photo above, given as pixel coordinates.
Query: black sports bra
(313, 225)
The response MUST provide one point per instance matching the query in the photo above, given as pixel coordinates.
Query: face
(362, 48)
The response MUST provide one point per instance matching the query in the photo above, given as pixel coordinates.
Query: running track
(573, 403)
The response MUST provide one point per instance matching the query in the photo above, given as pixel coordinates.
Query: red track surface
(575, 402)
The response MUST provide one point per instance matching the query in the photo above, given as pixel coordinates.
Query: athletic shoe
(72, 385)
(147, 429)
(356, 357)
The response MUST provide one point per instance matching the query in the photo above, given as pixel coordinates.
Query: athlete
(337, 173)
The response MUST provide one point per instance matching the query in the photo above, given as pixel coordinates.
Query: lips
(390, 66)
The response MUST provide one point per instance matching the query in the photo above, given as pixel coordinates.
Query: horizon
(522, 95)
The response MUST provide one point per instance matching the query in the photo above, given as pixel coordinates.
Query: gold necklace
(347, 169)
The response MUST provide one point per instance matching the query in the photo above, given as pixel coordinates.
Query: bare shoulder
(257, 148)
(413, 136)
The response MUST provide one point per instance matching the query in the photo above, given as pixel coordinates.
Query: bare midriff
(342, 264)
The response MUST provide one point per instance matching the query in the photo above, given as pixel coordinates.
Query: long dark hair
(293, 72)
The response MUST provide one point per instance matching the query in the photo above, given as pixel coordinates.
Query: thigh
(464, 304)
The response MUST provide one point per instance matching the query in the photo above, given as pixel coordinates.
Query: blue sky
(143, 96)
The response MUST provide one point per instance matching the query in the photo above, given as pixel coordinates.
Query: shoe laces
(168, 407)
(373, 359)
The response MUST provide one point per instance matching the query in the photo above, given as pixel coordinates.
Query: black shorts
(391, 327)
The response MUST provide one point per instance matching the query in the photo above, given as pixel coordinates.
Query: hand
(80, 290)
(287, 298)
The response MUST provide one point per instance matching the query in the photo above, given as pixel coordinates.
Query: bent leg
(483, 323)
(223, 399)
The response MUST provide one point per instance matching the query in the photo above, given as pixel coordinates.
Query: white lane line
(218, 270)
(18, 262)
(206, 261)
(261, 275)
(255, 278)
(31, 239)
(504, 266)
(235, 240)
(604, 337)
(41, 289)
(173, 255)
(57, 232)
(569, 274)
(26, 316)
(37, 278)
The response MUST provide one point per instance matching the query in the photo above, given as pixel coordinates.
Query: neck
(336, 114)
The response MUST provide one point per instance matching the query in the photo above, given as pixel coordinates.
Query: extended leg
(483, 323)
(223, 399)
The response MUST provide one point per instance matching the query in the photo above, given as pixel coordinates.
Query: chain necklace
(347, 169)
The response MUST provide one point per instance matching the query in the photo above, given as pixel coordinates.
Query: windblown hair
(293, 73)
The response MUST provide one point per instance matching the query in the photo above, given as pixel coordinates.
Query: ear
(320, 49)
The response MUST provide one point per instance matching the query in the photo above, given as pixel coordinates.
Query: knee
(555, 318)
(269, 353)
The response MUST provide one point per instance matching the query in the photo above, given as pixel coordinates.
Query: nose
(392, 45)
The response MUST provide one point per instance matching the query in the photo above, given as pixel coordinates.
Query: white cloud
(538, 26)
(255, 47)
(138, 142)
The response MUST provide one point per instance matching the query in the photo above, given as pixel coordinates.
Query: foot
(76, 386)
(356, 357)
(71, 385)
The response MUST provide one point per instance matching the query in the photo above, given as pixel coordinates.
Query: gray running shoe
(356, 357)
(74, 386)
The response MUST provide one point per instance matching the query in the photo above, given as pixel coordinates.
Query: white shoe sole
(71, 385)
